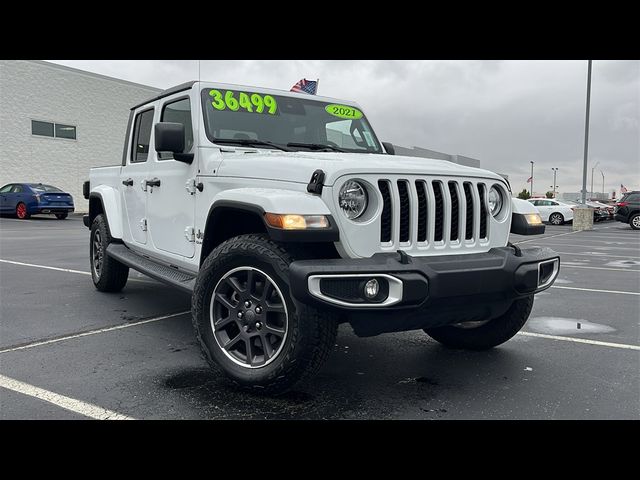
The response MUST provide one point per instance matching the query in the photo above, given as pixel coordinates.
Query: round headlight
(495, 201)
(352, 199)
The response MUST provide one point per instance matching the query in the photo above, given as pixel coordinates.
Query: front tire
(247, 323)
(634, 221)
(61, 216)
(108, 274)
(487, 334)
(556, 219)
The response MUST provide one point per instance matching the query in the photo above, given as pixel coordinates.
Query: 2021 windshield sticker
(243, 102)
(343, 111)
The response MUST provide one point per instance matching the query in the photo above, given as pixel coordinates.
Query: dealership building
(57, 122)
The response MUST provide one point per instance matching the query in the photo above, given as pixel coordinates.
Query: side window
(141, 136)
(633, 198)
(6, 188)
(17, 189)
(535, 202)
(178, 111)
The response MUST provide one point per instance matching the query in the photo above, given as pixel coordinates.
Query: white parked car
(553, 211)
(283, 215)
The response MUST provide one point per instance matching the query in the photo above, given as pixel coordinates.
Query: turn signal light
(296, 222)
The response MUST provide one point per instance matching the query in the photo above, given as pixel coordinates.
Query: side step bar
(162, 273)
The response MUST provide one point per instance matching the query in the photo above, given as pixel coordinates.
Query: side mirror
(169, 137)
(389, 148)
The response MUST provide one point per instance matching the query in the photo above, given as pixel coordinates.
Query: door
(171, 201)
(134, 174)
(4, 198)
(544, 206)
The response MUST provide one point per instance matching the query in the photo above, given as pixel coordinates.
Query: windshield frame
(204, 100)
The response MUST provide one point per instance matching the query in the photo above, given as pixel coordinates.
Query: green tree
(549, 194)
(524, 194)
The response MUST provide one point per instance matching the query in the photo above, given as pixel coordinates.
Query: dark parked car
(26, 199)
(628, 209)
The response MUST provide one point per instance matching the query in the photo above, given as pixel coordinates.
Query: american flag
(623, 189)
(305, 86)
(529, 179)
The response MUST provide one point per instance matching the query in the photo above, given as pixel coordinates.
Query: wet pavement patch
(566, 326)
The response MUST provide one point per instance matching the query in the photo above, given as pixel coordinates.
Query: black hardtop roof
(167, 92)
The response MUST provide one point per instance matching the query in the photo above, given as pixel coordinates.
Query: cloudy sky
(505, 113)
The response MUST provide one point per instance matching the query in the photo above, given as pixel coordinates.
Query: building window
(65, 131)
(50, 129)
(44, 129)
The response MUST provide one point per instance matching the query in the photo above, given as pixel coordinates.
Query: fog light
(371, 288)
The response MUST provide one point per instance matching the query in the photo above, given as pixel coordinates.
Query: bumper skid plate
(439, 290)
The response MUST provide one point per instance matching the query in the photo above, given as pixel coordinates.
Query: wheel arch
(104, 200)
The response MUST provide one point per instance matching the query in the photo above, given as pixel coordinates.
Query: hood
(298, 166)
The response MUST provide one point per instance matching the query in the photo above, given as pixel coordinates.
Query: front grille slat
(483, 211)
(468, 231)
(439, 204)
(455, 211)
(385, 218)
(433, 213)
(421, 195)
(405, 210)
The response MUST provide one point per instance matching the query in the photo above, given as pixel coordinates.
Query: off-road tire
(634, 221)
(488, 335)
(310, 334)
(113, 275)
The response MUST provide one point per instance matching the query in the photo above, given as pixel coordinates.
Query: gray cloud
(505, 113)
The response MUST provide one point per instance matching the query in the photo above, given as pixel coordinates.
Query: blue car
(26, 199)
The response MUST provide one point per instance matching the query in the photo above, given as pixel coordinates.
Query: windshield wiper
(315, 146)
(251, 142)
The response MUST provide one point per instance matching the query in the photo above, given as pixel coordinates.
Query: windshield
(44, 188)
(241, 116)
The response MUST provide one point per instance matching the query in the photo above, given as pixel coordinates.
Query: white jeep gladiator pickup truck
(284, 215)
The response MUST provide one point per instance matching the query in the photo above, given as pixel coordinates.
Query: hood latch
(315, 184)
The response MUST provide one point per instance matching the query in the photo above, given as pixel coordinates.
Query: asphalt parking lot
(69, 351)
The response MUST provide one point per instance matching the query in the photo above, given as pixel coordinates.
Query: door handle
(128, 182)
(153, 183)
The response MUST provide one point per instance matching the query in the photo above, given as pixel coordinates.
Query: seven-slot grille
(432, 212)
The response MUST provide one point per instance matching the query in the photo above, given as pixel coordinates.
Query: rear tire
(634, 221)
(486, 335)
(61, 216)
(249, 327)
(22, 212)
(556, 219)
(108, 274)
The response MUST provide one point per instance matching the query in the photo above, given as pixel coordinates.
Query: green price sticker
(243, 102)
(343, 111)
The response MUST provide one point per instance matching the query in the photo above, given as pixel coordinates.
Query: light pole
(602, 173)
(531, 161)
(555, 171)
(592, 169)
(586, 139)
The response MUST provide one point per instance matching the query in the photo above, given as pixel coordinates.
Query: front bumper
(421, 292)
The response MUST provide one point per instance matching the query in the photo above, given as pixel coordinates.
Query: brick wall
(98, 106)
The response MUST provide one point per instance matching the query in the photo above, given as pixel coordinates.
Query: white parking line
(91, 332)
(596, 255)
(591, 290)
(580, 340)
(596, 247)
(68, 270)
(544, 238)
(564, 265)
(45, 266)
(68, 403)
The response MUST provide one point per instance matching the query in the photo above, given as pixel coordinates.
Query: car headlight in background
(352, 199)
(495, 201)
